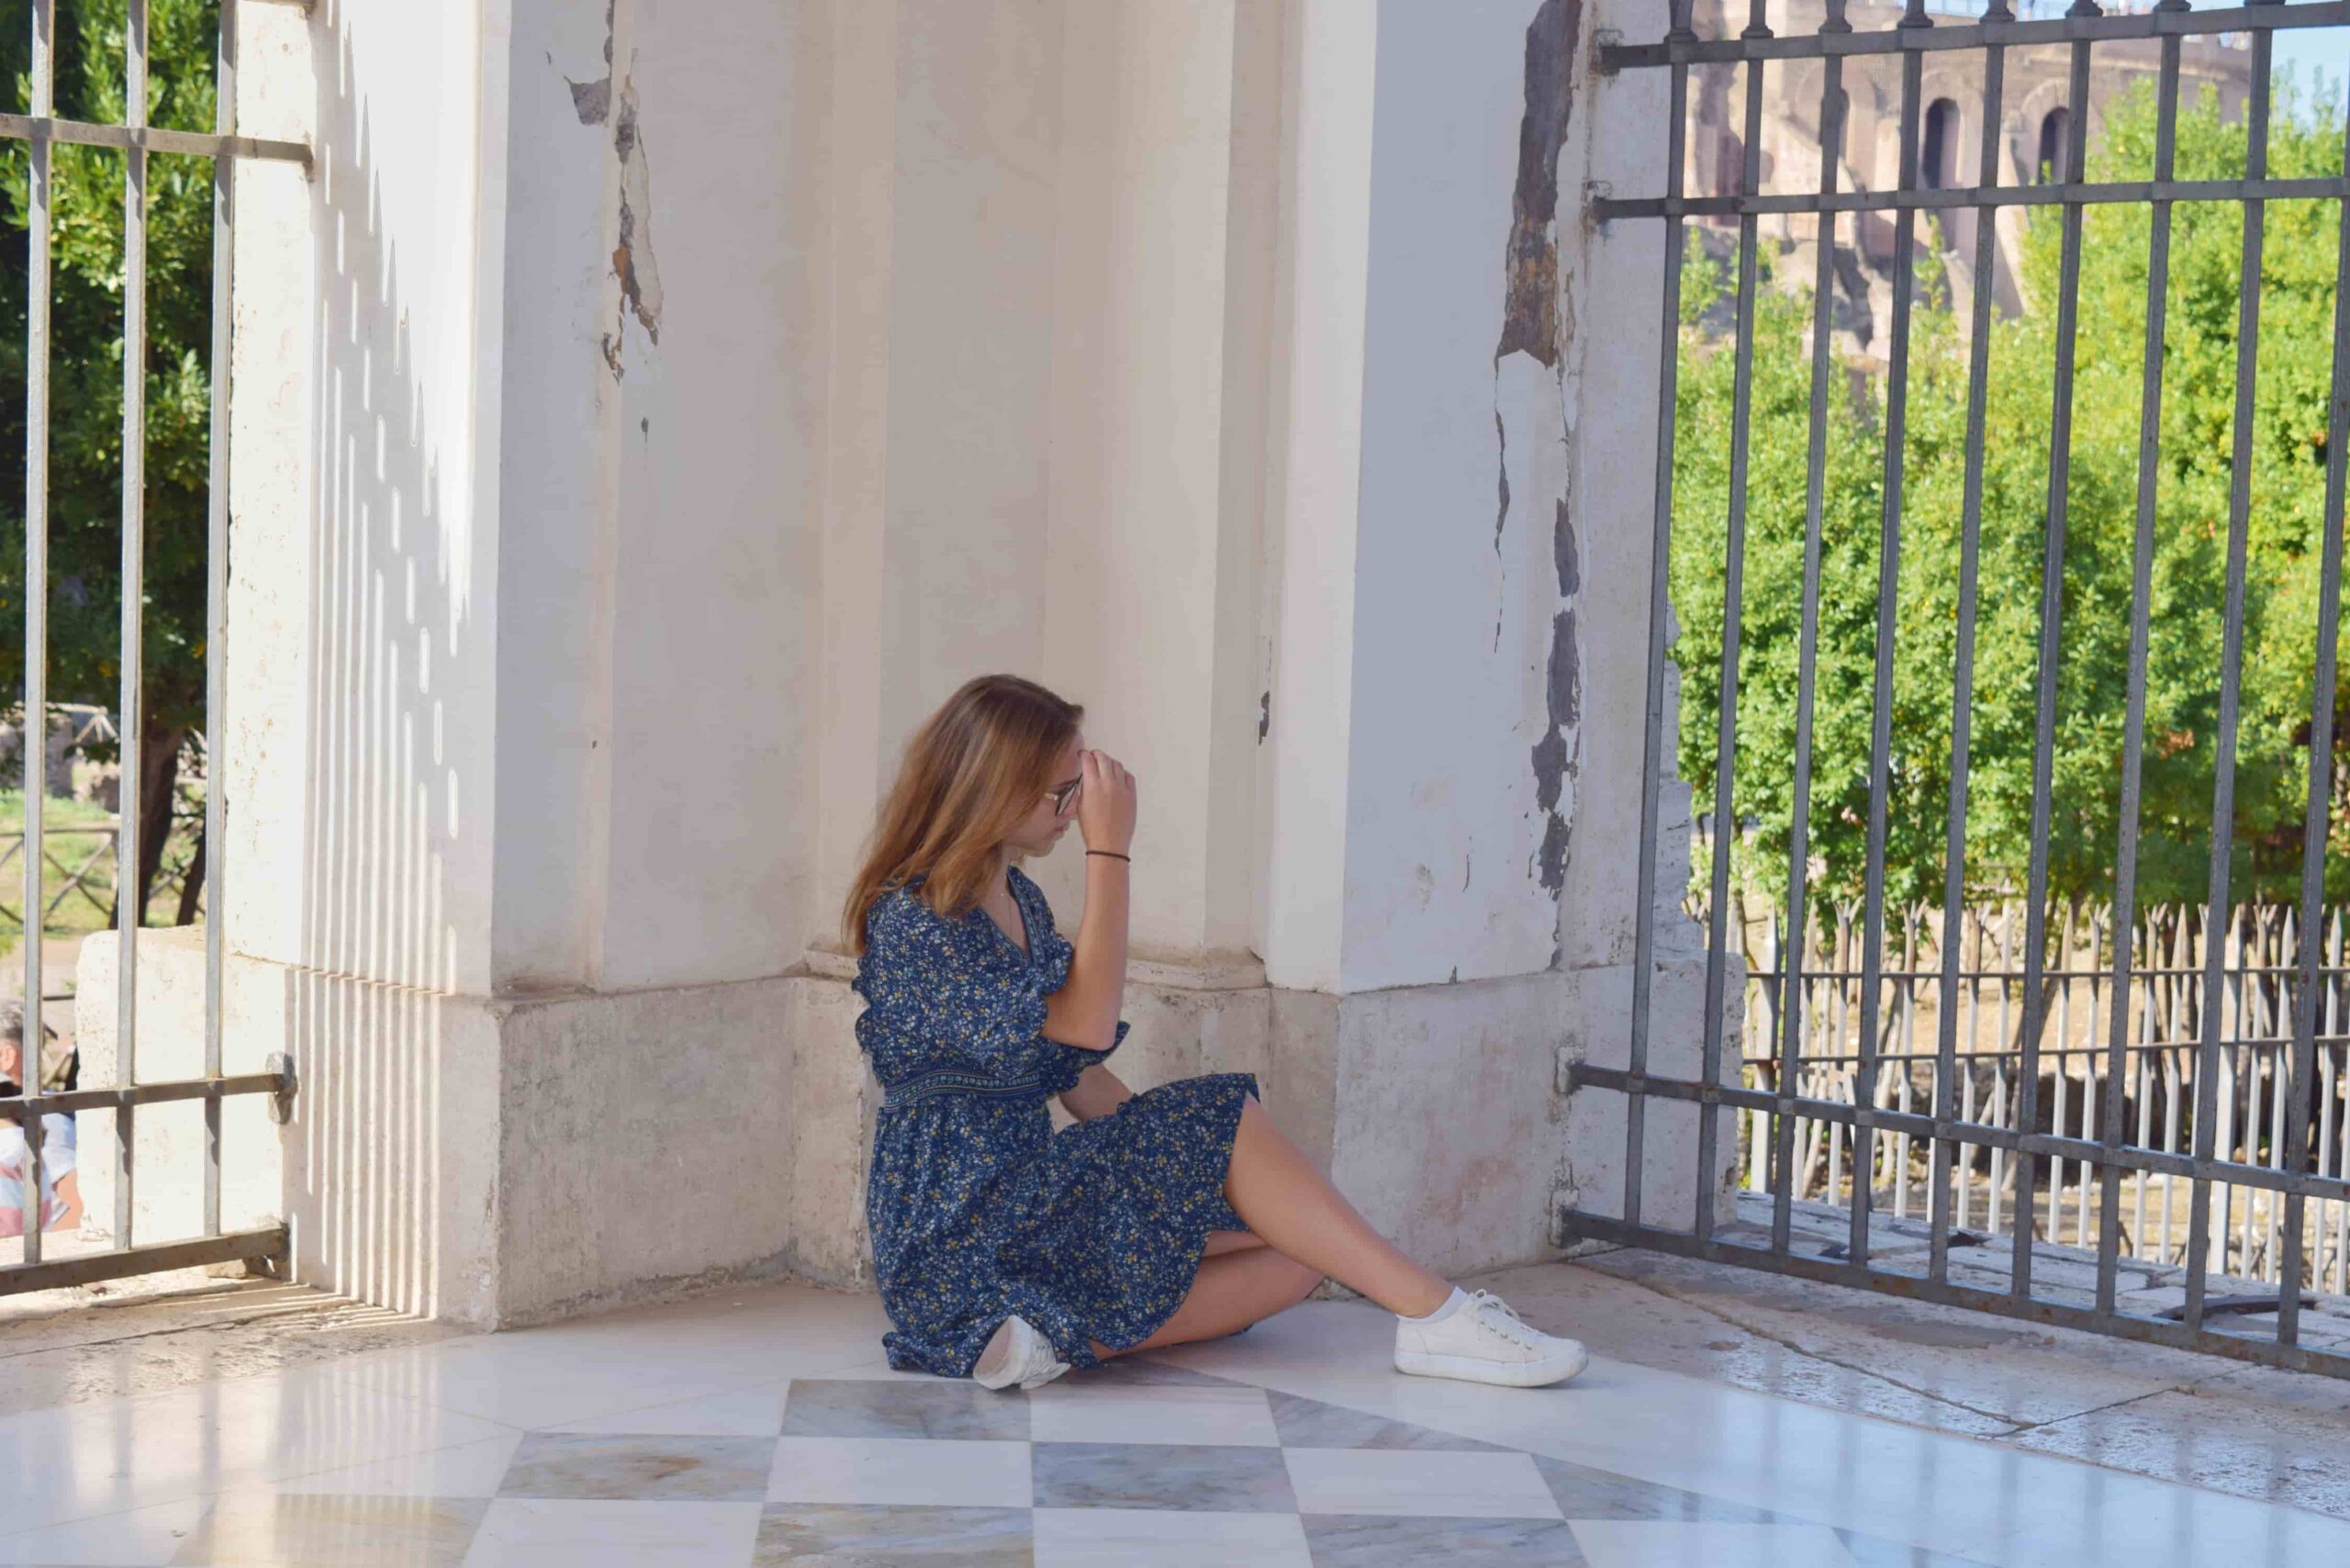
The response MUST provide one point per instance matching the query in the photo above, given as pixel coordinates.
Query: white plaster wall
(168, 1140)
(1610, 279)
(1044, 407)
(714, 617)
(1326, 258)
(658, 541)
(1134, 536)
(363, 608)
(966, 475)
(1455, 584)
(362, 702)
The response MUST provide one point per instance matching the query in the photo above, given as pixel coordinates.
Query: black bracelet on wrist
(1112, 855)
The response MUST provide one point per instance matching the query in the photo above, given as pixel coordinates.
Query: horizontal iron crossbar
(2125, 1157)
(2323, 187)
(2035, 1309)
(1938, 35)
(152, 139)
(24, 1109)
(268, 1243)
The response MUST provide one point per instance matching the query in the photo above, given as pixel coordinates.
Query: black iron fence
(2199, 1147)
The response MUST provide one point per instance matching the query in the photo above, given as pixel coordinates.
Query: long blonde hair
(971, 772)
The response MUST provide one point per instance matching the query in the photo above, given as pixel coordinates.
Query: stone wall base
(499, 1161)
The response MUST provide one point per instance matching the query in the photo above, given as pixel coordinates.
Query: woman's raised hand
(1106, 805)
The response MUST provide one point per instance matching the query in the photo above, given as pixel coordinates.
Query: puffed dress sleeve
(930, 1005)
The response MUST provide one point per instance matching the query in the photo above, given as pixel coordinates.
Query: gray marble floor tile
(1310, 1424)
(1875, 1552)
(943, 1407)
(1162, 1475)
(1586, 1494)
(1371, 1541)
(1141, 1372)
(309, 1531)
(641, 1467)
(848, 1535)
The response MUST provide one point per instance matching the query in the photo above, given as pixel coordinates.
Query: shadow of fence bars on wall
(2249, 1065)
(40, 130)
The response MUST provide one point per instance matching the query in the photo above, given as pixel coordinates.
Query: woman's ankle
(1430, 1308)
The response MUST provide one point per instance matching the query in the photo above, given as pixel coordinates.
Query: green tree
(85, 387)
(2185, 656)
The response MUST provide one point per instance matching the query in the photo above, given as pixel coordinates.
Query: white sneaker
(1482, 1339)
(1018, 1354)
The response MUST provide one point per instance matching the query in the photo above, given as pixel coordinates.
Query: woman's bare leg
(1223, 1241)
(1241, 1286)
(1286, 1200)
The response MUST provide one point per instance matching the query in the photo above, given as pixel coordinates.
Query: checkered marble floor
(767, 1430)
(1138, 1462)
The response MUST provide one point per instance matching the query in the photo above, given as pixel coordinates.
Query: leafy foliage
(2100, 497)
(85, 363)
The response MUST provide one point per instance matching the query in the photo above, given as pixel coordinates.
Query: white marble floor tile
(989, 1474)
(528, 1532)
(464, 1470)
(1064, 1412)
(1122, 1538)
(866, 1535)
(639, 1467)
(1653, 1543)
(1947, 1494)
(533, 1385)
(935, 1407)
(136, 1537)
(1387, 1481)
(105, 1456)
(282, 1530)
(744, 1412)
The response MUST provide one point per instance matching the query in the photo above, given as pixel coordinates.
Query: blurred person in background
(61, 1188)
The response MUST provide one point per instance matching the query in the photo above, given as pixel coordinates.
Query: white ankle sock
(1451, 1304)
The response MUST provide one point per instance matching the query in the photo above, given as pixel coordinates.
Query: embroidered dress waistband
(950, 1080)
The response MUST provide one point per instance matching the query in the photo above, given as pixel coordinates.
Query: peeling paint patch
(1530, 318)
(1532, 324)
(1501, 440)
(633, 260)
(591, 101)
(1264, 716)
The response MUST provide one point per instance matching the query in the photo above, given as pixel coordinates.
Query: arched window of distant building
(2056, 134)
(1938, 153)
(1730, 163)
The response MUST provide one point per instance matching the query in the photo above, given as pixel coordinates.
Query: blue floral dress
(977, 1209)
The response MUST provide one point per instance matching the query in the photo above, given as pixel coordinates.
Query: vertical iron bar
(216, 604)
(1733, 588)
(2142, 577)
(35, 721)
(2295, 1156)
(1888, 582)
(1823, 293)
(1660, 555)
(128, 912)
(2223, 792)
(1962, 712)
(2052, 609)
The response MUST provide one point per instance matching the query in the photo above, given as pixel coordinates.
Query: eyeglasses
(1062, 795)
